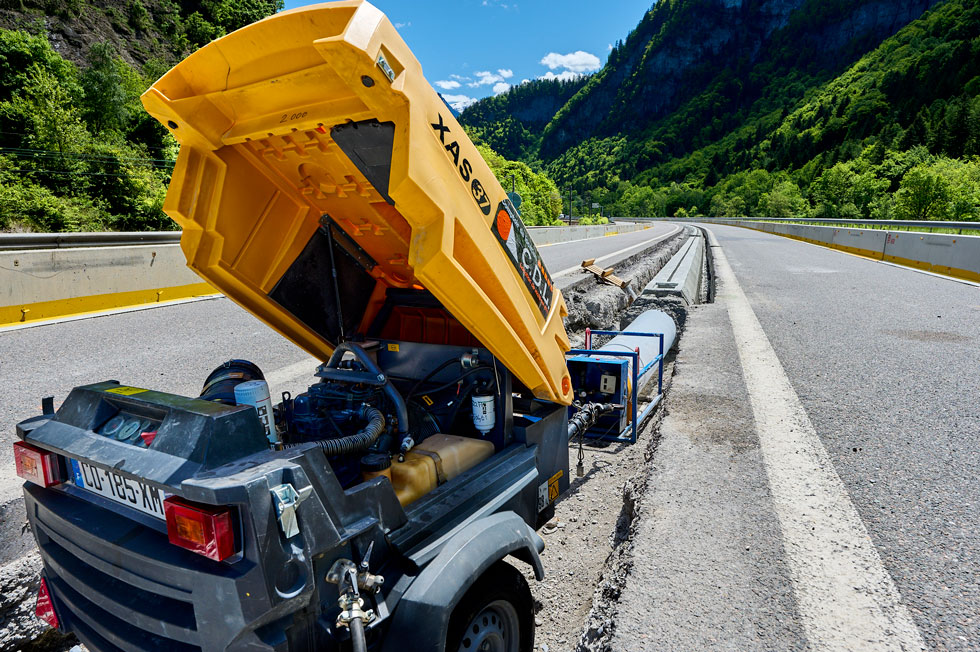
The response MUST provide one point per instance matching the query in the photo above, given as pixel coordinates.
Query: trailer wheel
(495, 615)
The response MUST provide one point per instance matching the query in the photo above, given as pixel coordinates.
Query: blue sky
(470, 49)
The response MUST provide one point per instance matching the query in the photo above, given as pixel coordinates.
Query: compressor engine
(366, 419)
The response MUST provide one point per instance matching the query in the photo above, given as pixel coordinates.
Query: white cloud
(567, 75)
(578, 61)
(459, 102)
(448, 85)
(487, 78)
(609, 47)
(400, 25)
(500, 87)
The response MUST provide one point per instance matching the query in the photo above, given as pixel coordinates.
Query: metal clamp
(352, 607)
(286, 499)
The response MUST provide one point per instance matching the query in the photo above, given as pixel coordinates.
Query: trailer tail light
(44, 609)
(203, 529)
(38, 466)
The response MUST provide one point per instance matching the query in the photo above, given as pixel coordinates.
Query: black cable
(432, 373)
(468, 372)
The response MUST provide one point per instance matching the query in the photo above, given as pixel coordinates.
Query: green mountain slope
(139, 30)
(709, 107)
(77, 151)
(512, 123)
(725, 49)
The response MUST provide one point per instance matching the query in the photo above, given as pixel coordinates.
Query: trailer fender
(421, 619)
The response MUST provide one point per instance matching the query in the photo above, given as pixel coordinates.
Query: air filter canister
(256, 393)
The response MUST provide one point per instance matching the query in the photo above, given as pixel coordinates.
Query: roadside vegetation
(541, 204)
(79, 153)
(77, 150)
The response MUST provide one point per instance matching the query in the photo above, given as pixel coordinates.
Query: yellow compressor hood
(313, 135)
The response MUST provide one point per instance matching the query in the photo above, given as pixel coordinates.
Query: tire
(495, 615)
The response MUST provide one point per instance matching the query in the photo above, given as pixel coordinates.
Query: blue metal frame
(636, 419)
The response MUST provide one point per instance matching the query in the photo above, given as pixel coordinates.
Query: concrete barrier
(49, 283)
(39, 284)
(545, 235)
(957, 256)
(951, 255)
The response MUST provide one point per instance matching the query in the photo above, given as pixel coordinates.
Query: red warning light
(44, 609)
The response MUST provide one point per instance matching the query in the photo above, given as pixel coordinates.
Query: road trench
(589, 541)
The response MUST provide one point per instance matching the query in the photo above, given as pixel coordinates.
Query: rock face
(683, 47)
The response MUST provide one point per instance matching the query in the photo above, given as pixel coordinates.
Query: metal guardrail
(922, 224)
(34, 241)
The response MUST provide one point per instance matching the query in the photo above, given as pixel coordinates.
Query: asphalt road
(175, 347)
(884, 363)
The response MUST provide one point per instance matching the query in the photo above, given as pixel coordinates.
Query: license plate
(118, 488)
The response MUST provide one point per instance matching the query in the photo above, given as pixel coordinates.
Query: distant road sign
(515, 199)
(595, 205)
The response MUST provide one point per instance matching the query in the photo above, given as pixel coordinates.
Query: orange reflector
(44, 609)
(566, 385)
(204, 529)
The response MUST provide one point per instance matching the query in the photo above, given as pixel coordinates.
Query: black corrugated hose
(359, 441)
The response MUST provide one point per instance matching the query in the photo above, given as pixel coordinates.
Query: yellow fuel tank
(312, 135)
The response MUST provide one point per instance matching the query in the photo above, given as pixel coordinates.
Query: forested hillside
(804, 121)
(77, 151)
(512, 123)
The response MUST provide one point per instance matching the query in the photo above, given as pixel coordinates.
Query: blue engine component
(327, 411)
(603, 380)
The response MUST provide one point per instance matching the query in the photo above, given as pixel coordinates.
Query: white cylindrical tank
(256, 393)
(652, 321)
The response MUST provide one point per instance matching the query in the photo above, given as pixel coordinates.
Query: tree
(923, 195)
(105, 98)
(785, 200)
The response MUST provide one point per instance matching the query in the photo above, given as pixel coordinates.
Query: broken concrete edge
(600, 624)
(20, 629)
(590, 280)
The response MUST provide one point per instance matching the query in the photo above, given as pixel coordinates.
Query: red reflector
(203, 529)
(35, 465)
(44, 609)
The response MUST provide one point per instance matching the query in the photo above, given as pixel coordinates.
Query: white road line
(645, 243)
(846, 598)
(301, 369)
